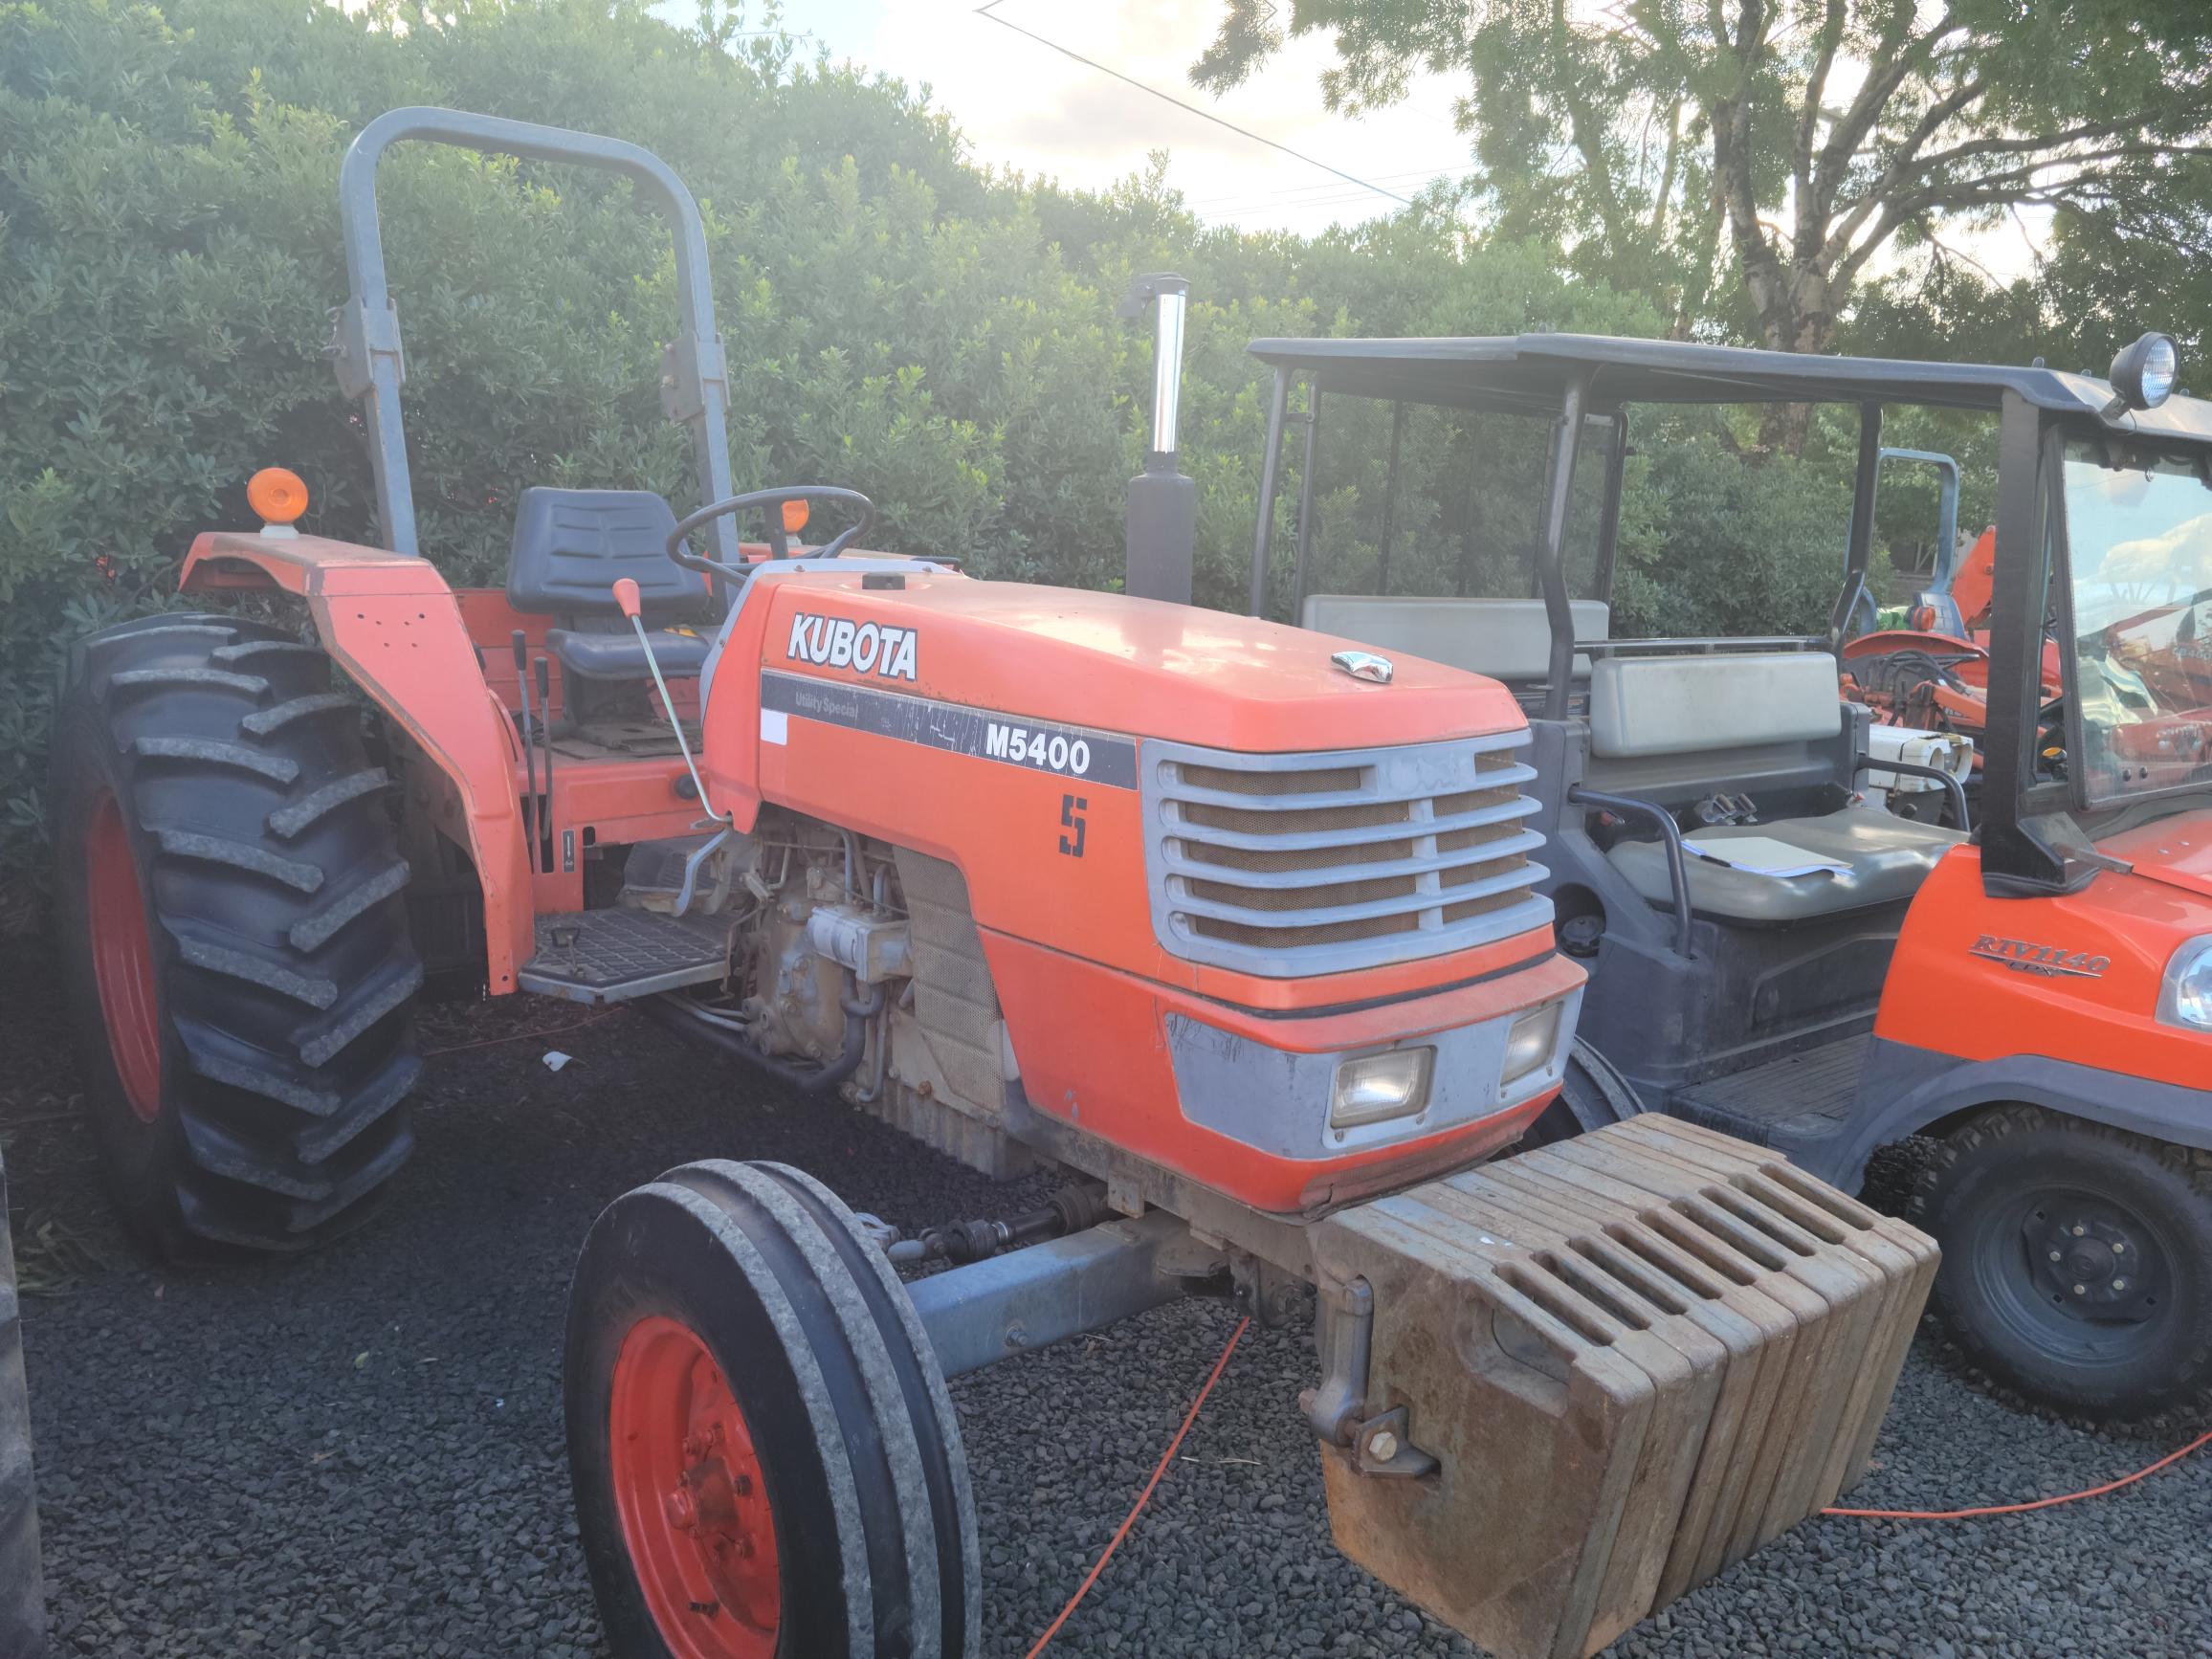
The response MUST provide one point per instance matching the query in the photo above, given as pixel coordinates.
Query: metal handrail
(696, 375)
(1914, 769)
(1670, 832)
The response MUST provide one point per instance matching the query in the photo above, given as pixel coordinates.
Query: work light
(2143, 373)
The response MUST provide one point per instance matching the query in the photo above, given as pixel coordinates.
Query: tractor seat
(1887, 858)
(615, 656)
(571, 547)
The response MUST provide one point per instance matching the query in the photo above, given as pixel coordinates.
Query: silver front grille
(1292, 865)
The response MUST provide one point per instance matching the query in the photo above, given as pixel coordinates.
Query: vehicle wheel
(2077, 1261)
(765, 1456)
(233, 938)
(1592, 1093)
(22, 1594)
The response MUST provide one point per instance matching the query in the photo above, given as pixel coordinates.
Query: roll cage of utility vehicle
(1773, 957)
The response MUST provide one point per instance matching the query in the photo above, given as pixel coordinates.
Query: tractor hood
(1113, 663)
(2175, 851)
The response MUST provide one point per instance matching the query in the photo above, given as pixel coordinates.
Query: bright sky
(1022, 105)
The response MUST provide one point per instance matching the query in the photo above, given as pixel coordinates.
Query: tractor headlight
(1529, 1043)
(2185, 996)
(1374, 1087)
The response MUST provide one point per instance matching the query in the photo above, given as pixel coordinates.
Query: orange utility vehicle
(1772, 957)
(1239, 927)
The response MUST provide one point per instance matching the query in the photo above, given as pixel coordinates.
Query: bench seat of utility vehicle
(1887, 858)
(1644, 708)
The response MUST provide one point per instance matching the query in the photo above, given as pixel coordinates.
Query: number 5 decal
(1072, 811)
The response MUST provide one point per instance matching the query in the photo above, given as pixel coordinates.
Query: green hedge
(899, 318)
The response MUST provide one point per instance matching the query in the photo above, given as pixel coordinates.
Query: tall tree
(1743, 160)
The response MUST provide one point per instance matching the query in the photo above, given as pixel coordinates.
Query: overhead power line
(989, 9)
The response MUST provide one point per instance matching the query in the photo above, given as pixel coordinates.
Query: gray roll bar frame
(1946, 507)
(695, 373)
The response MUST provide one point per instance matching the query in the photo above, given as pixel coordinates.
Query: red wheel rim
(122, 959)
(693, 1506)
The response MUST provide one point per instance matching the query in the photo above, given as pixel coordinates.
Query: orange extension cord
(1136, 1509)
(2171, 1457)
(520, 1036)
(1191, 1416)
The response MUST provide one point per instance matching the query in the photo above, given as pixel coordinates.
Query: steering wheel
(772, 499)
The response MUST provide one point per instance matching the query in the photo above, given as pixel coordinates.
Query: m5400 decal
(1102, 758)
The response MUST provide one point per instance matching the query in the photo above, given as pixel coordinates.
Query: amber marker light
(278, 496)
(795, 517)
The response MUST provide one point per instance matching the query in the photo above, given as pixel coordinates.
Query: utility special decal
(1101, 758)
(2052, 960)
(864, 647)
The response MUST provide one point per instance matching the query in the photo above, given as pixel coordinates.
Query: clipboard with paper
(1763, 855)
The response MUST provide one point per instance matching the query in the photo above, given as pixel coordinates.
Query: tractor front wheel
(2077, 1262)
(233, 936)
(765, 1460)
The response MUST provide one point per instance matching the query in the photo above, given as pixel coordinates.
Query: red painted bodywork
(396, 628)
(1083, 979)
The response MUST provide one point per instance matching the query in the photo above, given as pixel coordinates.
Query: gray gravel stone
(360, 1453)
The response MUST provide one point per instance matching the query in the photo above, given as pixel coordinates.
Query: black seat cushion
(571, 547)
(682, 654)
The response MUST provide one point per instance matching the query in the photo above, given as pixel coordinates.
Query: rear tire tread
(275, 1132)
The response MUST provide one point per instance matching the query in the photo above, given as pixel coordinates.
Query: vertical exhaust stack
(1162, 521)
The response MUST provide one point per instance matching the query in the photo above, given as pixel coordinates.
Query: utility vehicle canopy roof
(1524, 373)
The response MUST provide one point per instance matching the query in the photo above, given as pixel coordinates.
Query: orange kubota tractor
(1237, 926)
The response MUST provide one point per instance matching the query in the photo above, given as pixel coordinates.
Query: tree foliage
(1775, 145)
(896, 317)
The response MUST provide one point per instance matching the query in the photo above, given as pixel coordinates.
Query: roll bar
(1946, 507)
(695, 374)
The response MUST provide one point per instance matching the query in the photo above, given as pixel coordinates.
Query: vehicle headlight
(1529, 1043)
(1374, 1087)
(2186, 997)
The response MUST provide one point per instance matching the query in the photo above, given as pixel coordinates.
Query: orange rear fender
(395, 627)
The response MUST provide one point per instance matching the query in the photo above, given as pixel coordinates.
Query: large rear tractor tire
(765, 1460)
(232, 937)
(2077, 1262)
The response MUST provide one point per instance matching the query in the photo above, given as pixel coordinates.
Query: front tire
(232, 937)
(765, 1460)
(2077, 1262)
(1593, 1093)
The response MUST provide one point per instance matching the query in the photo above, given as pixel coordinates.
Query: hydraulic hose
(676, 1011)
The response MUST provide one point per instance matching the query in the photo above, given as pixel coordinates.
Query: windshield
(2139, 540)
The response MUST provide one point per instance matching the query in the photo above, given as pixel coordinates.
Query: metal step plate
(612, 955)
(1801, 1097)
(1634, 1358)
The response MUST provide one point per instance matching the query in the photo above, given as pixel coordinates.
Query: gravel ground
(361, 1454)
